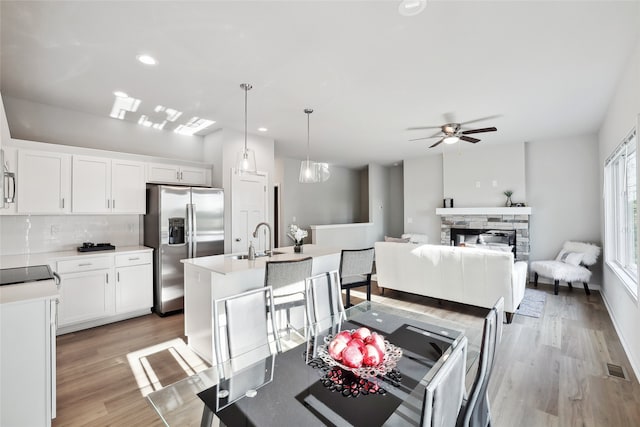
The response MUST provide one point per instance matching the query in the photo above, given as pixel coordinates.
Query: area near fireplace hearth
(493, 226)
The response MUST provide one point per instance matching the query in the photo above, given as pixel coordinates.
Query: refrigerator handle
(194, 234)
(189, 231)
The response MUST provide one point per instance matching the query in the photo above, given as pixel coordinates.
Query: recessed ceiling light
(120, 94)
(263, 129)
(147, 60)
(411, 7)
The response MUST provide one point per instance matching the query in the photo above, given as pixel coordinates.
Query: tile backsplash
(22, 234)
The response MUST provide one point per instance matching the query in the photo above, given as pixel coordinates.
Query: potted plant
(508, 203)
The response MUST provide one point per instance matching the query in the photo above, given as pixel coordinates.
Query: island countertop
(226, 264)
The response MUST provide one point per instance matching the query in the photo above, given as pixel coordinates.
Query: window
(621, 212)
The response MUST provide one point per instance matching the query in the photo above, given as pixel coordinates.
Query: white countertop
(21, 292)
(44, 258)
(225, 264)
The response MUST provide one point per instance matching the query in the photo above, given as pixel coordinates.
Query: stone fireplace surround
(490, 218)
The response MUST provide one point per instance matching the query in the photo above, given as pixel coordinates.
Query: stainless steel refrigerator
(181, 222)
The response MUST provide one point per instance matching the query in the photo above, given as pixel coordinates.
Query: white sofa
(467, 275)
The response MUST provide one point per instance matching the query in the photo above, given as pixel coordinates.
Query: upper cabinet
(172, 174)
(43, 182)
(103, 185)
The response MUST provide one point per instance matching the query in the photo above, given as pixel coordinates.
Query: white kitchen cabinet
(172, 174)
(43, 182)
(103, 185)
(27, 363)
(104, 288)
(134, 278)
(85, 296)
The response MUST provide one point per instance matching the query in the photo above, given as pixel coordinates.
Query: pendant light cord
(246, 91)
(308, 111)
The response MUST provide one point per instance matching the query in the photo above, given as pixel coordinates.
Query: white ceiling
(548, 68)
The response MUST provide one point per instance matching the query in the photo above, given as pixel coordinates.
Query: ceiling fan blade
(469, 139)
(467, 132)
(437, 143)
(424, 127)
(479, 120)
(426, 137)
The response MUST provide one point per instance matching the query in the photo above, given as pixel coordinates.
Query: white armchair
(571, 265)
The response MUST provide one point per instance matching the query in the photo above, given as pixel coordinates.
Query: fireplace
(500, 226)
(501, 240)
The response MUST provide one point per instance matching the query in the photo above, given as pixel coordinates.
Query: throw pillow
(573, 258)
(395, 240)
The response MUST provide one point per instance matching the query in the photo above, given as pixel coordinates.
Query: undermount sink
(259, 255)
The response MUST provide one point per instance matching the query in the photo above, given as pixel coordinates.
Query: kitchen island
(209, 278)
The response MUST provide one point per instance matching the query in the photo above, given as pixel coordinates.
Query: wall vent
(616, 371)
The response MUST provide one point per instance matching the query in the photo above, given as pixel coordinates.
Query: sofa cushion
(395, 239)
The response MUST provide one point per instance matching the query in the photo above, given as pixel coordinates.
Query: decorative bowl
(389, 361)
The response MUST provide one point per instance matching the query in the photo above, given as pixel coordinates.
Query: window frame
(621, 248)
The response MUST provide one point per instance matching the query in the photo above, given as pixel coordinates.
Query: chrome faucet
(255, 235)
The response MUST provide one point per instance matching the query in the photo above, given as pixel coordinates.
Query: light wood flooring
(550, 371)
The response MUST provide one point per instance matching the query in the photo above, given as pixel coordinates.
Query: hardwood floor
(550, 371)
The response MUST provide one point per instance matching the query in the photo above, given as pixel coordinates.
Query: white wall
(336, 201)
(379, 204)
(477, 175)
(564, 192)
(23, 234)
(422, 195)
(622, 115)
(395, 226)
(38, 122)
(221, 149)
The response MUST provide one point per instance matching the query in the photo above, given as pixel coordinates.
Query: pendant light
(312, 172)
(246, 159)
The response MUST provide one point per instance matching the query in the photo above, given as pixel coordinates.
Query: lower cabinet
(134, 275)
(85, 296)
(102, 289)
(27, 363)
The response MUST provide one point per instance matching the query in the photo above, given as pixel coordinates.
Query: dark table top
(296, 387)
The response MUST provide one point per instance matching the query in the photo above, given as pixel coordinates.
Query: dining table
(303, 386)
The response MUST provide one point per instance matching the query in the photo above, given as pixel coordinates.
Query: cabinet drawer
(84, 264)
(135, 258)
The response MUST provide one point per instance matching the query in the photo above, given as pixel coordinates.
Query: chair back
(323, 298)
(476, 411)
(282, 273)
(354, 262)
(241, 325)
(589, 251)
(443, 395)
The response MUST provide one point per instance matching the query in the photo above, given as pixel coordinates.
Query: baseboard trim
(625, 346)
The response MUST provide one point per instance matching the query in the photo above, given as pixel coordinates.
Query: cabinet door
(193, 176)
(157, 172)
(43, 183)
(134, 288)
(127, 187)
(91, 189)
(25, 358)
(85, 296)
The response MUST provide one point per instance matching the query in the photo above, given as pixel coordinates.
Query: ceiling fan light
(451, 139)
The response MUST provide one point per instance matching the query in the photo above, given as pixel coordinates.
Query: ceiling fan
(450, 133)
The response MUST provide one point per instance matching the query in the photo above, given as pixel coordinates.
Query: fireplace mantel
(484, 211)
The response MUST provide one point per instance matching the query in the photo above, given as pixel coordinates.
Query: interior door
(249, 203)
